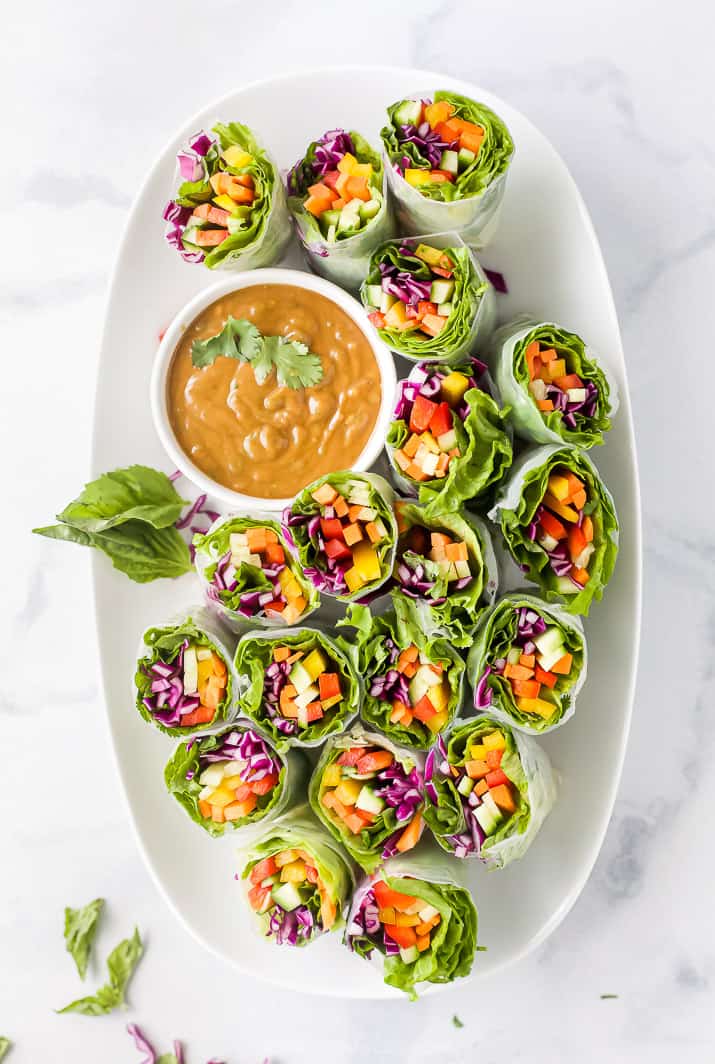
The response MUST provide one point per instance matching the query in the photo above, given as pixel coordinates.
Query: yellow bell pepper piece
(494, 741)
(236, 157)
(366, 561)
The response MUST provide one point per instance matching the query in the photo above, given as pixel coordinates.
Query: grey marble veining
(93, 92)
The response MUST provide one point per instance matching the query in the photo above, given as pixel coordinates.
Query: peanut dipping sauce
(265, 440)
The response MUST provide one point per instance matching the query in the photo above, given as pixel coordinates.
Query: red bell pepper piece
(441, 420)
(337, 548)
(331, 527)
(495, 777)
(422, 411)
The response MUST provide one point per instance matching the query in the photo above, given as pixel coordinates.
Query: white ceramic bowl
(235, 500)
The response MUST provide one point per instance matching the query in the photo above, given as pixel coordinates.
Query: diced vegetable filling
(187, 690)
(364, 782)
(230, 196)
(300, 687)
(554, 386)
(416, 688)
(431, 564)
(537, 666)
(408, 304)
(237, 777)
(287, 889)
(446, 144)
(259, 547)
(488, 796)
(346, 533)
(431, 410)
(346, 194)
(564, 530)
(394, 923)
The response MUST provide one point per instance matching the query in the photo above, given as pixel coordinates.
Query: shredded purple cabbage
(288, 927)
(429, 143)
(166, 701)
(497, 281)
(245, 744)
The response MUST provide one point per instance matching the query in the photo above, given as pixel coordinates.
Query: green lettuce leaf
(80, 929)
(213, 545)
(519, 500)
(165, 642)
(437, 880)
(509, 346)
(485, 452)
(404, 625)
(366, 847)
(526, 766)
(490, 163)
(471, 291)
(255, 653)
(300, 830)
(259, 237)
(381, 498)
(187, 759)
(121, 963)
(456, 618)
(495, 637)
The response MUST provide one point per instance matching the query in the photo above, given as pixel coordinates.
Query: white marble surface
(93, 92)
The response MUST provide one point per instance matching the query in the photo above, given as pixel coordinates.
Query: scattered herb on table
(456, 1022)
(295, 365)
(121, 963)
(80, 929)
(607, 997)
(130, 515)
(5, 1046)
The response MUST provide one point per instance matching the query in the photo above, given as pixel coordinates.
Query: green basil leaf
(80, 929)
(104, 1001)
(121, 963)
(5, 1045)
(135, 493)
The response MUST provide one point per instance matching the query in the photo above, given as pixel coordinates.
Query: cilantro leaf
(238, 339)
(121, 963)
(80, 929)
(295, 365)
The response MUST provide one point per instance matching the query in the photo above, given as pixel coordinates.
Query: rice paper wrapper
(188, 759)
(457, 618)
(530, 771)
(208, 554)
(459, 338)
(487, 448)
(343, 260)
(378, 486)
(300, 830)
(251, 674)
(201, 620)
(368, 854)
(447, 890)
(502, 706)
(248, 249)
(405, 625)
(528, 421)
(514, 514)
(475, 217)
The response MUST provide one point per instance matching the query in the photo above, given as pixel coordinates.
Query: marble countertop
(94, 91)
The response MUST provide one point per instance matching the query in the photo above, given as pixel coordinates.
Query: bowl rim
(248, 279)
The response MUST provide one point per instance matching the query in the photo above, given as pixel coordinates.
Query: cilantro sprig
(295, 364)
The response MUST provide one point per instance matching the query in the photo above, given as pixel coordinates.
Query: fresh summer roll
(249, 574)
(488, 790)
(416, 919)
(299, 685)
(448, 158)
(413, 677)
(229, 210)
(445, 563)
(344, 530)
(560, 524)
(338, 199)
(184, 679)
(233, 778)
(369, 794)
(297, 881)
(448, 442)
(429, 298)
(557, 389)
(527, 663)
